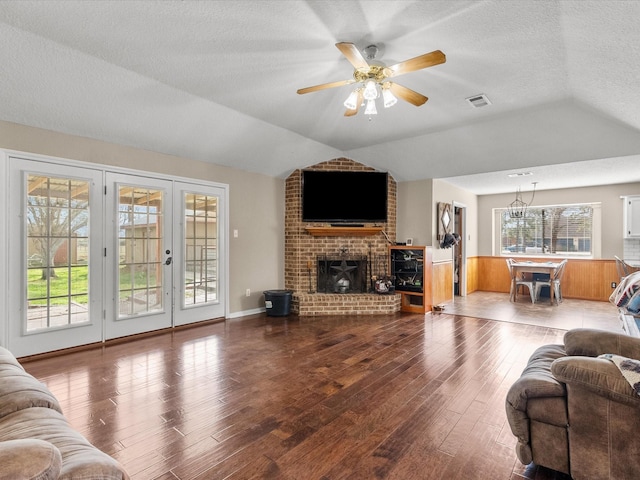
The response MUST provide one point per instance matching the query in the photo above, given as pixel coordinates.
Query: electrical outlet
(248, 292)
(614, 284)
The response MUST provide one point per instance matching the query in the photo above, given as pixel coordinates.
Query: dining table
(520, 267)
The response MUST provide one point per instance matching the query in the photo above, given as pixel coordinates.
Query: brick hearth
(302, 250)
(310, 304)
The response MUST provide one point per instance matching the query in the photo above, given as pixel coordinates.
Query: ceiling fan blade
(407, 94)
(350, 112)
(352, 53)
(324, 86)
(418, 63)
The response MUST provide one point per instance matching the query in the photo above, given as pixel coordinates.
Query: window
(201, 249)
(141, 260)
(566, 230)
(57, 239)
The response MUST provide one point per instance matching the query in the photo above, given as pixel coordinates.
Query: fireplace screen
(343, 274)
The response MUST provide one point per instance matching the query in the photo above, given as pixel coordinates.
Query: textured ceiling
(217, 80)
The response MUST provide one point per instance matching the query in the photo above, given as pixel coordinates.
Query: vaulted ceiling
(216, 81)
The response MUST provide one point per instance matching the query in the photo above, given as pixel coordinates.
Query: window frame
(595, 240)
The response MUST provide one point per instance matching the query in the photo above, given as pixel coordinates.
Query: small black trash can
(277, 302)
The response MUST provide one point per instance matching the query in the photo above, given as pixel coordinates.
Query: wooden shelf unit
(413, 284)
(343, 231)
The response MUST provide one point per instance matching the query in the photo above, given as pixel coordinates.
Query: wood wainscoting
(472, 274)
(442, 283)
(584, 279)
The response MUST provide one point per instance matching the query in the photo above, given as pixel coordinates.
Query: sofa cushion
(80, 459)
(592, 343)
(536, 379)
(29, 459)
(19, 390)
(599, 376)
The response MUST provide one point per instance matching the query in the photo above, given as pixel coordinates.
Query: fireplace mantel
(343, 231)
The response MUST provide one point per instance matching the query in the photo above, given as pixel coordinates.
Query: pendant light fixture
(518, 208)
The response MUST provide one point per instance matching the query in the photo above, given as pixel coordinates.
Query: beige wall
(256, 202)
(418, 219)
(445, 192)
(611, 242)
(415, 213)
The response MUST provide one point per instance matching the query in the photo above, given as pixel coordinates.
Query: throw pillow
(634, 303)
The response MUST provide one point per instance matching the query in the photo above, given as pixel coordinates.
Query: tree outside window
(553, 230)
(57, 239)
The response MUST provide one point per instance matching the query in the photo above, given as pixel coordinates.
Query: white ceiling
(216, 81)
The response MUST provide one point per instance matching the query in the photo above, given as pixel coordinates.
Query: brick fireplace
(308, 245)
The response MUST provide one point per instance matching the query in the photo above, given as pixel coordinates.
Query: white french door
(198, 243)
(166, 262)
(139, 257)
(96, 254)
(55, 262)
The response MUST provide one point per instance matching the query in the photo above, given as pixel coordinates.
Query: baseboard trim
(246, 313)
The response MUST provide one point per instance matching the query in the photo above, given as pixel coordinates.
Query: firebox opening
(343, 274)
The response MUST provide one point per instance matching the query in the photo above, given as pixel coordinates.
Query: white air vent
(478, 101)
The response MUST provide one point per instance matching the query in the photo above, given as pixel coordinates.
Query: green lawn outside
(60, 289)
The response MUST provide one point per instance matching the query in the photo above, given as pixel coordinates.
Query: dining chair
(555, 282)
(530, 284)
(622, 266)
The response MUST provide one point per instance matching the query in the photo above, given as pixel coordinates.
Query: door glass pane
(140, 233)
(57, 252)
(201, 249)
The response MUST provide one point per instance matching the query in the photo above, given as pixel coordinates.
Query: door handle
(168, 261)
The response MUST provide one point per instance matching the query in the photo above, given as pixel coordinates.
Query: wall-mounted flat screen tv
(344, 197)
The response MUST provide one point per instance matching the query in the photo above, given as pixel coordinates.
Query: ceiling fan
(373, 79)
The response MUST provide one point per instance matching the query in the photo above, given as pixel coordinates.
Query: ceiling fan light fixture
(371, 78)
(370, 90)
(371, 107)
(352, 100)
(388, 98)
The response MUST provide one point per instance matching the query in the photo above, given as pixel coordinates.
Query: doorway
(459, 252)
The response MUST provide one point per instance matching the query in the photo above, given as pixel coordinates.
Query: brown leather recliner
(576, 413)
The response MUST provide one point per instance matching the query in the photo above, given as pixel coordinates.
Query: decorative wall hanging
(445, 220)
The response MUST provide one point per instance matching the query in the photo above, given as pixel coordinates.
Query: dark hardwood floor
(371, 397)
